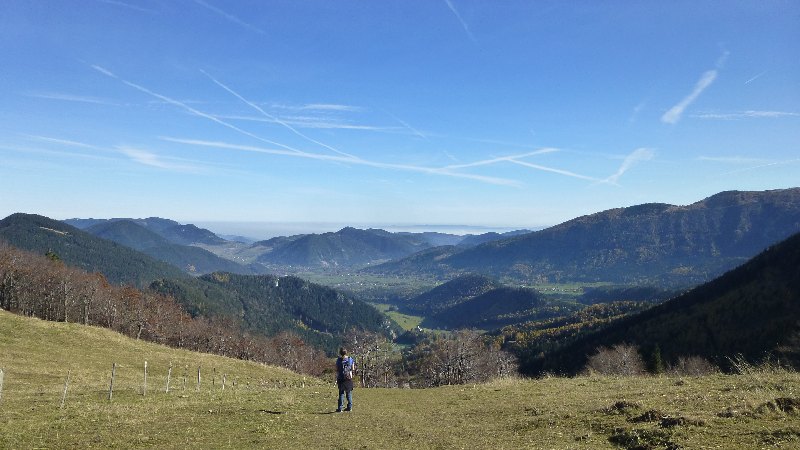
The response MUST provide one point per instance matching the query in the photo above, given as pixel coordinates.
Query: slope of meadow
(269, 407)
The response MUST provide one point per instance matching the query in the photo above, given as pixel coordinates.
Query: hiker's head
(342, 351)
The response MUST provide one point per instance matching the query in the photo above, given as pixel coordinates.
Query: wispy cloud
(637, 110)
(750, 114)
(71, 98)
(151, 159)
(56, 153)
(733, 159)
(460, 20)
(311, 122)
(638, 155)
(229, 16)
(126, 5)
(674, 114)
(63, 142)
(763, 166)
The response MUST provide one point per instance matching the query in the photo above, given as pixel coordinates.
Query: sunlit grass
(406, 321)
(273, 408)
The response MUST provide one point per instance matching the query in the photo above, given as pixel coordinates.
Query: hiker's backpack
(347, 368)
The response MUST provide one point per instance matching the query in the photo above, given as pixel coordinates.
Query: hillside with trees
(193, 260)
(751, 312)
(498, 307)
(667, 244)
(77, 248)
(348, 247)
(451, 293)
(170, 230)
(39, 286)
(268, 305)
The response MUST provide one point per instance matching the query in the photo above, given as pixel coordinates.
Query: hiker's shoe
(338, 410)
(348, 409)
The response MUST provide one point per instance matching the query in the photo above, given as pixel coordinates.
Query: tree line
(43, 286)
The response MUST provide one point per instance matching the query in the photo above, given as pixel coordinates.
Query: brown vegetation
(44, 287)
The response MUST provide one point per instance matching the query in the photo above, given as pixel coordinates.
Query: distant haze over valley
(266, 230)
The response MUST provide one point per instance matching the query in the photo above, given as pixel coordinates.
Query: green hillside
(752, 311)
(269, 407)
(348, 247)
(498, 307)
(451, 293)
(193, 260)
(77, 248)
(266, 304)
(667, 244)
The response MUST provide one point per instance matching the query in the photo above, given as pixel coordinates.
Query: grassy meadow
(269, 407)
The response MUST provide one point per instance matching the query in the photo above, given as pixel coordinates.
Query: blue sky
(502, 114)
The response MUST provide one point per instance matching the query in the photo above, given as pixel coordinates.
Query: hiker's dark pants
(345, 389)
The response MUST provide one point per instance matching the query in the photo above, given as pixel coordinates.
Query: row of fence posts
(169, 380)
(144, 385)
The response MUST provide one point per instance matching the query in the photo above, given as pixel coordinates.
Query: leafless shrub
(693, 366)
(621, 360)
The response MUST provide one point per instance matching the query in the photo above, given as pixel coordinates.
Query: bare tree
(621, 359)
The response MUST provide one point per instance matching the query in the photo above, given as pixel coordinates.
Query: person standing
(345, 368)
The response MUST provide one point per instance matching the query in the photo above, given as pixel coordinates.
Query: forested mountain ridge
(750, 311)
(671, 244)
(267, 304)
(347, 247)
(498, 307)
(192, 259)
(118, 263)
(170, 230)
(451, 293)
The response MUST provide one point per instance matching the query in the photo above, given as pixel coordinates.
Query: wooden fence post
(144, 387)
(223, 381)
(111, 387)
(2, 375)
(64, 394)
(169, 375)
(198, 378)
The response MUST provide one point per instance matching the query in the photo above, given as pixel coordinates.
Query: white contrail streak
(674, 114)
(460, 19)
(190, 109)
(501, 159)
(343, 159)
(640, 154)
(277, 120)
(550, 169)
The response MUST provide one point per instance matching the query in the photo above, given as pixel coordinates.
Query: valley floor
(274, 408)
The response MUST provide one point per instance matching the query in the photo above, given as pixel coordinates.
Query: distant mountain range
(679, 245)
(348, 248)
(192, 259)
(120, 264)
(170, 230)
